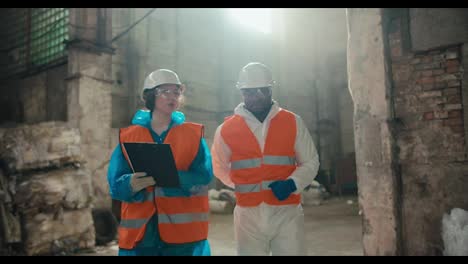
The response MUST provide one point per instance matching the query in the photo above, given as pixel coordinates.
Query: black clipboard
(156, 160)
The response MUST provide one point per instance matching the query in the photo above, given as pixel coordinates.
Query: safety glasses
(250, 92)
(167, 92)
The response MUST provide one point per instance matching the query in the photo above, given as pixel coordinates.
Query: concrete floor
(333, 228)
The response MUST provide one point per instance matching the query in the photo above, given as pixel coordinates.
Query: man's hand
(282, 189)
(140, 181)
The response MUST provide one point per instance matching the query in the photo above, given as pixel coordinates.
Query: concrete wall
(37, 98)
(369, 85)
(346, 123)
(120, 74)
(436, 27)
(427, 82)
(89, 84)
(11, 112)
(312, 76)
(207, 48)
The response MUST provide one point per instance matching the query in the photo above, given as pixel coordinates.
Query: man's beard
(260, 111)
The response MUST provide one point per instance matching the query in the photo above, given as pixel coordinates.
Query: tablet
(156, 160)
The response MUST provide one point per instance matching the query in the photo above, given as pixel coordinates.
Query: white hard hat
(159, 77)
(255, 75)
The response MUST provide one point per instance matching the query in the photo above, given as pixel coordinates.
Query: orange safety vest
(180, 219)
(251, 170)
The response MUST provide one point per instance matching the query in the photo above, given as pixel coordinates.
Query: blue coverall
(199, 175)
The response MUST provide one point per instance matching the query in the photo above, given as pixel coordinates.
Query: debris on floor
(222, 201)
(455, 232)
(314, 194)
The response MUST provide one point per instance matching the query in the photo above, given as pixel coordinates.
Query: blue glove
(282, 189)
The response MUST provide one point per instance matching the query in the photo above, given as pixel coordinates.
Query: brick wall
(427, 100)
(428, 95)
(439, 78)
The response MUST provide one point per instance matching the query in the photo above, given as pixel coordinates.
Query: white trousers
(269, 230)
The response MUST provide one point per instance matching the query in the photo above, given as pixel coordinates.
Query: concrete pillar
(89, 86)
(368, 77)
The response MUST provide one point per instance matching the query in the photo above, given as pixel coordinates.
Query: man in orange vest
(267, 155)
(154, 220)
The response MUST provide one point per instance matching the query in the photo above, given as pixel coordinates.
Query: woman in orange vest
(160, 221)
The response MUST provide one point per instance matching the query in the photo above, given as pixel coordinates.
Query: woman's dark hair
(149, 98)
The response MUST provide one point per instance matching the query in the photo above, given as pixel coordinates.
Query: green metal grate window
(34, 39)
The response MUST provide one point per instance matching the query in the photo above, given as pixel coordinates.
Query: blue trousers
(201, 248)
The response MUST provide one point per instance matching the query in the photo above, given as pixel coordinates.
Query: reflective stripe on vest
(269, 160)
(250, 188)
(182, 218)
(279, 160)
(246, 164)
(133, 223)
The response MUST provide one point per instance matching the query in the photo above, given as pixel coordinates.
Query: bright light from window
(256, 18)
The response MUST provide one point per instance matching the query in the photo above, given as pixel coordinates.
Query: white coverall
(266, 229)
